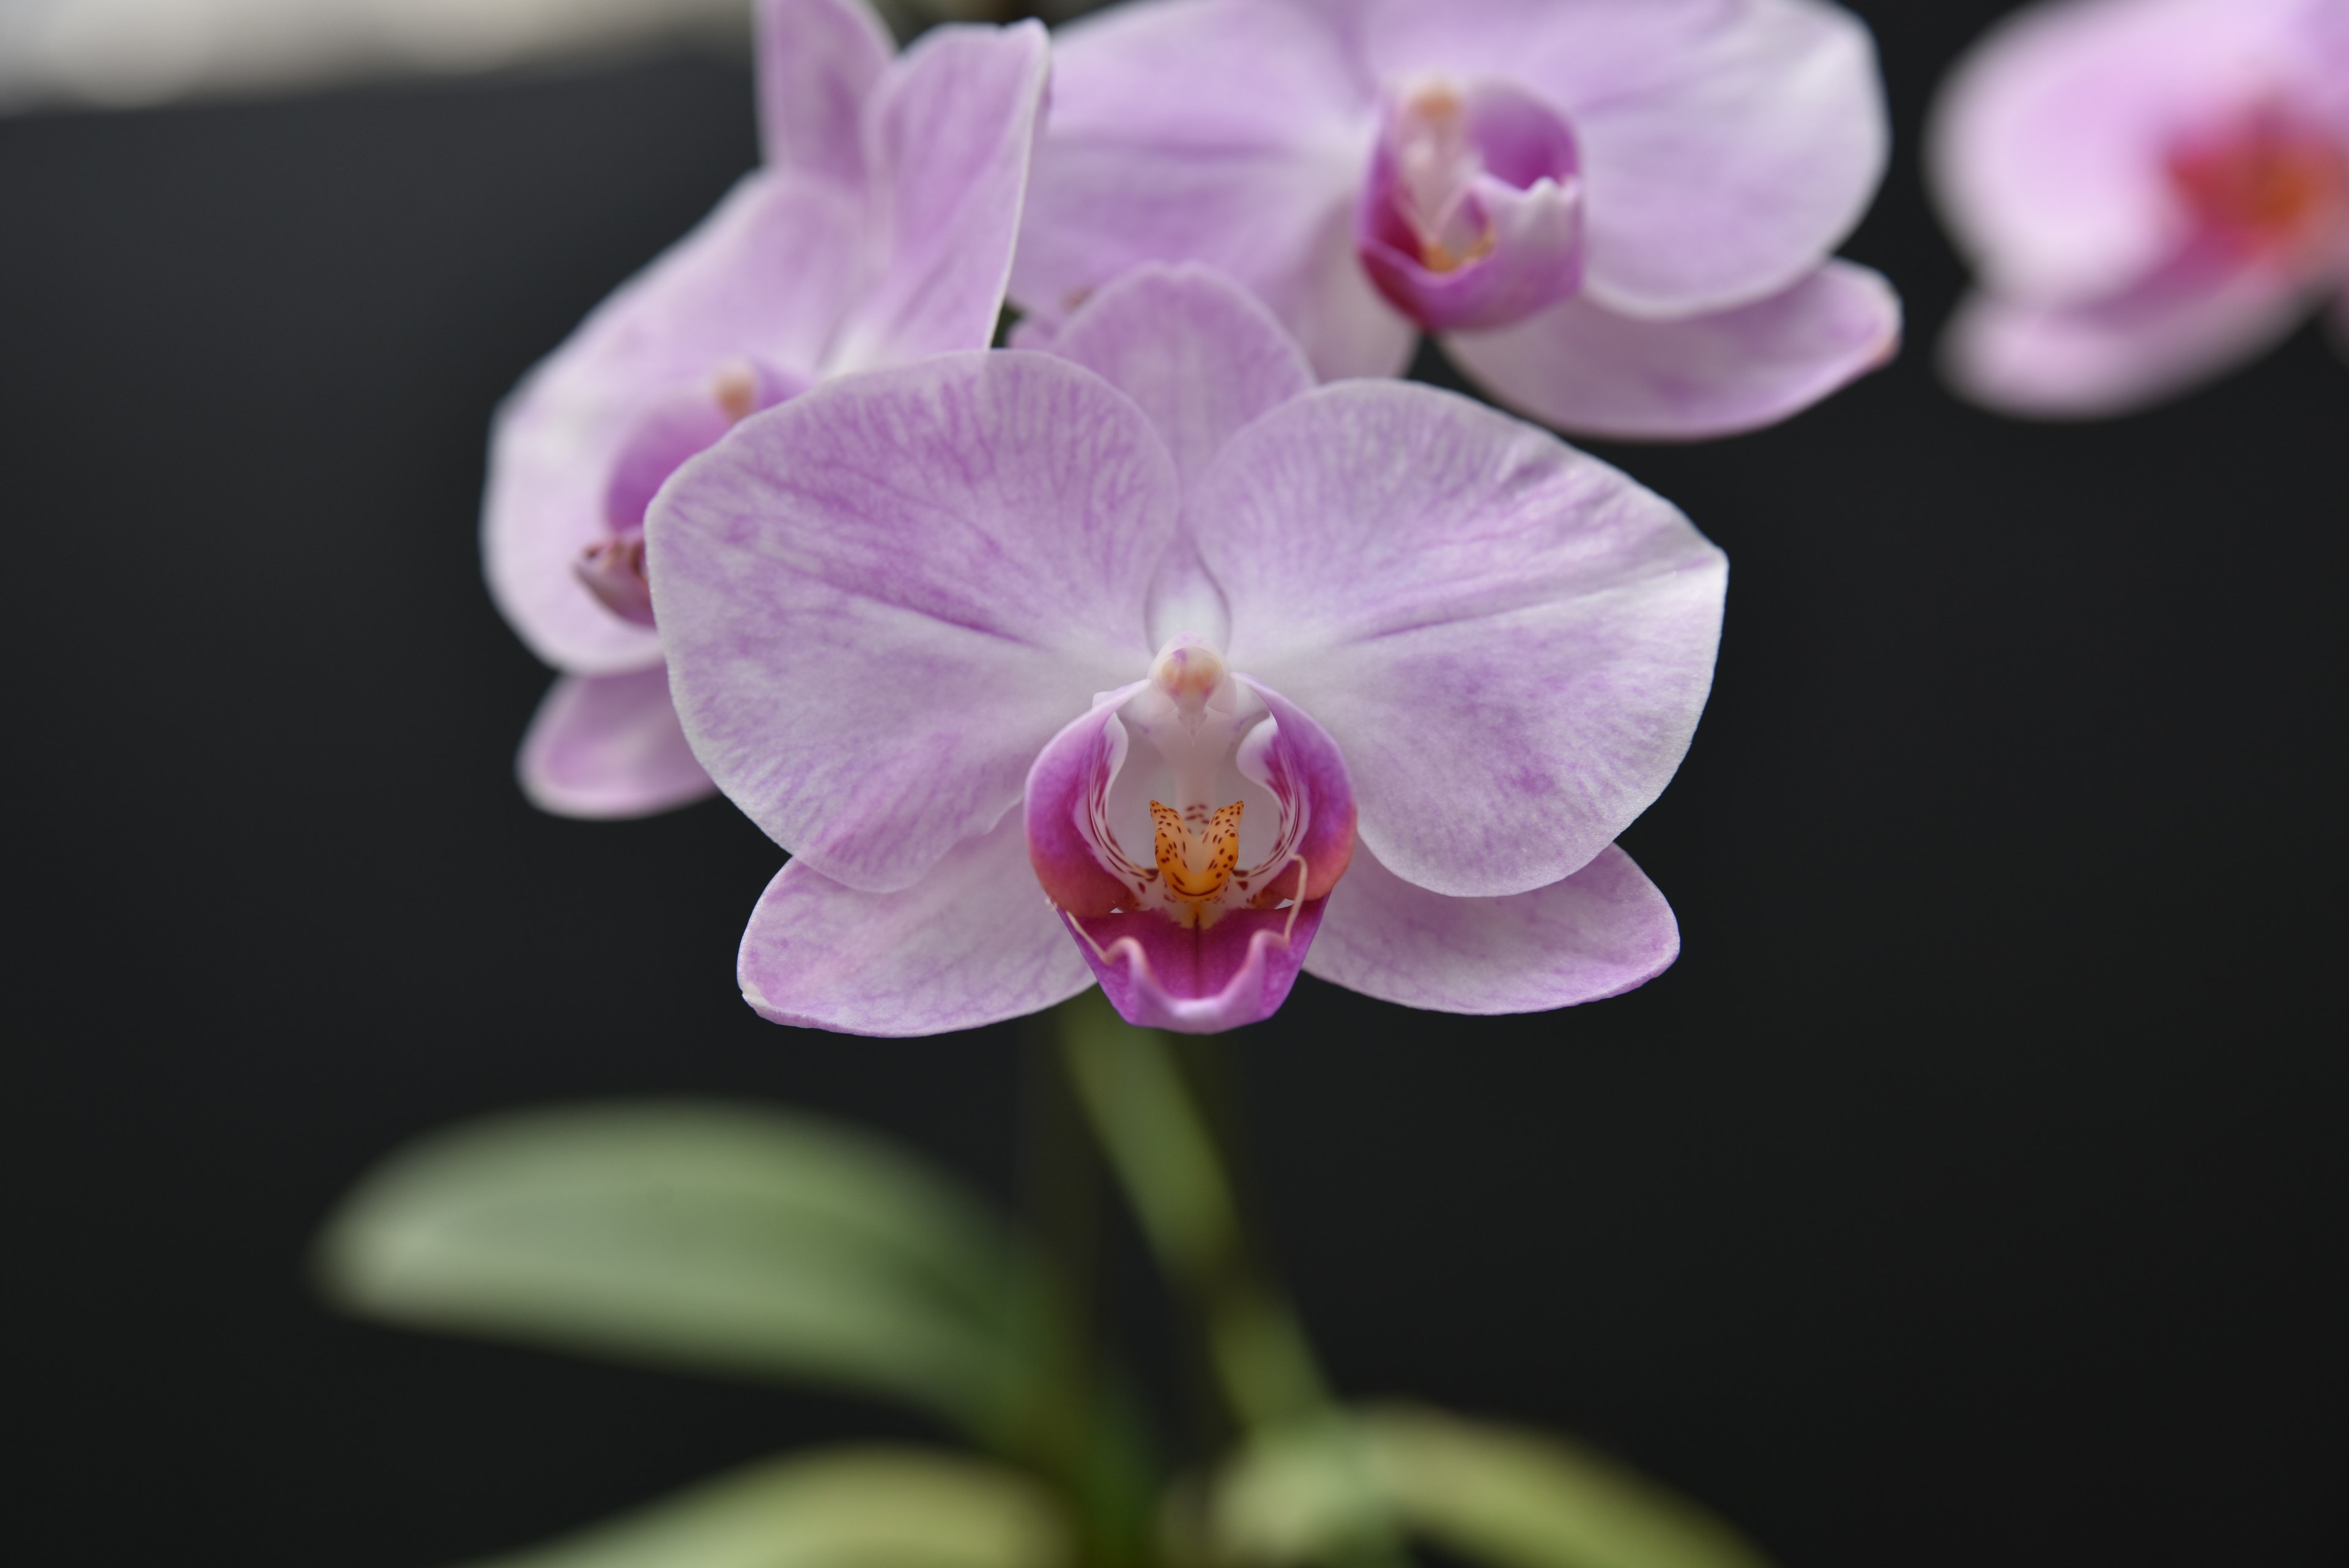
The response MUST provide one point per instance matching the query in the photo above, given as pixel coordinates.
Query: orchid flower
(880, 229)
(1616, 216)
(2153, 190)
(1145, 661)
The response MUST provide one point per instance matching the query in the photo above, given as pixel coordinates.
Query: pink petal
(818, 61)
(609, 746)
(2048, 142)
(948, 136)
(765, 277)
(1509, 641)
(2109, 357)
(1582, 368)
(882, 599)
(973, 942)
(1731, 178)
(1231, 132)
(1160, 976)
(1597, 933)
(1575, 51)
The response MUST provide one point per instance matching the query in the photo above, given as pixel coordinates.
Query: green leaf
(720, 1237)
(837, 1508)
(1497, 1494)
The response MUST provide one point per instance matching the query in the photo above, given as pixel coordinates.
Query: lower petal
(1582, 368)
(1198, 979)
(974, 942)
(609, 746)
(2084, 361)
(1597, 933)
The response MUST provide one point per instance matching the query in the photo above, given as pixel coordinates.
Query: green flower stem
(1151, 1127)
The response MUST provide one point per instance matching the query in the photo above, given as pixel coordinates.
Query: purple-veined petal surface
(973, 942)
(1597, 933)
(882, 599)
(1510, 641)
(1582, 368)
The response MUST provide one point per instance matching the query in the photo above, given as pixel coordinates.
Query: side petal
(948, 136)
(1597, 933)
(818, 61)
(1160, 976)
(609, 746)
(1510, 640)
(883, 598)
(764, 277)
(1729, 179)
(1200, 354)
(972, 943)
(2047, 141)
(1583, 368)
(2111, 357)
(1226, 131)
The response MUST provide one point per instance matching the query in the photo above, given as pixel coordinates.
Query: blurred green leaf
(721, 1238)
(1497, 1494)
(837, 1508)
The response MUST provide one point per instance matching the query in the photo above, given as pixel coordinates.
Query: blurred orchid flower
(1616, 215)
(2154, 191)
(879, 230)
(1249, 676)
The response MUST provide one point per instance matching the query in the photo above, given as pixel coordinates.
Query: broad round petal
(1510, 641)
(948, 136)
(1597, 933)
(764, 277)
(609, 746)
(818, 61)
(972, 943)
(1575, 51)
(1226, 131)
(883, 598)
(1732, 177)
(2110, 357)
(2048, 143)
(1582, 368)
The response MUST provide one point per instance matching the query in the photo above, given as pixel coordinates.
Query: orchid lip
(2263, 183)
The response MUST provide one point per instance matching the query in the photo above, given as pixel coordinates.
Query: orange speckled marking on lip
(1196, 861)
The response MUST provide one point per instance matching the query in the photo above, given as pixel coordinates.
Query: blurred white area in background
(60, 53)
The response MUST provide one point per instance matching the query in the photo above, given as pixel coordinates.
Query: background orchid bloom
(1247, 674)
(2154, 191)
(1616, 215)
(880, 229)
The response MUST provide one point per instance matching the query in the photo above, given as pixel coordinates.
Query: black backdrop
(1971, 1192)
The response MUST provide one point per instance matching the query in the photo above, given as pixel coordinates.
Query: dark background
(1972, 1192)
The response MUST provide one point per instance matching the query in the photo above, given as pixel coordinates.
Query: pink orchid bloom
(1616, 215)
(879, 230)
(1146, 661)
(2152, 190)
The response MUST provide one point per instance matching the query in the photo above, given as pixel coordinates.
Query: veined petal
(1231, 132)
(2047, 143)
(1510, 641)
(1732, 178)
(883, 598)
(1582, 368)
(1200, 354)
(948, 135)
(818, 61)
(1194, 979)
(1575, 51)
(2112, 356)
(972, 943)
(609, 746)
(1597, 933)
(765, 276)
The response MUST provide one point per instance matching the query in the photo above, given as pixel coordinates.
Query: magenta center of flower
(1435, 167)
(664, 436)
(1191, 776)
(2265, 184)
